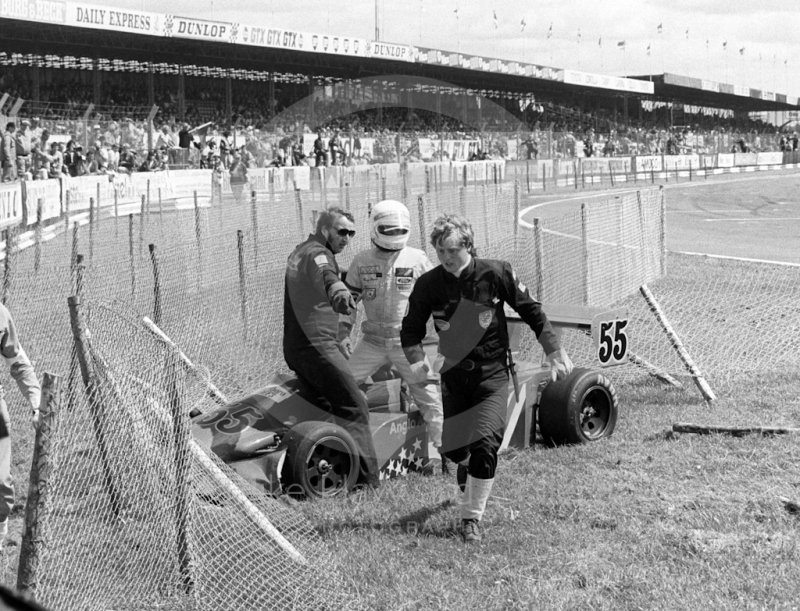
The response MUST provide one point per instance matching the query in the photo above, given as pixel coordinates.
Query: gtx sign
(270, 37)
(34, 10)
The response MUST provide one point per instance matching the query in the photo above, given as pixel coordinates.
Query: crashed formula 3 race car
(280, 440)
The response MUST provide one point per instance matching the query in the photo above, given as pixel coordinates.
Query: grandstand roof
(699, 92)
(39, 38)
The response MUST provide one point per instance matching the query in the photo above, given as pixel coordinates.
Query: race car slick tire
(578, 409)
(321, 460)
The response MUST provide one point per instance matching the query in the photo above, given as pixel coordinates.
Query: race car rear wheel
(321, 460)
(578, 409)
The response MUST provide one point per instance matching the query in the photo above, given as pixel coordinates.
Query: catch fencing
(134, 517)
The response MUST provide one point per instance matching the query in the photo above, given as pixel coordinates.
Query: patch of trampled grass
(647, 519)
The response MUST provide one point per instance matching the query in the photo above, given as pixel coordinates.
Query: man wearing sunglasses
(315, 299)
(382, 277)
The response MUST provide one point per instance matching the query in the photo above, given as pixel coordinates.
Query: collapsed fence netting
(137, 519)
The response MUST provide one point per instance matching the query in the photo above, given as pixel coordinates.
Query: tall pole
(377, 27)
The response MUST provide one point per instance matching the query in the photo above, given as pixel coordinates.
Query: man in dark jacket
(315, 296)
(465, 295)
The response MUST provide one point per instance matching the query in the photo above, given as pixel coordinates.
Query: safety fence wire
(733, 317)
(137, 508)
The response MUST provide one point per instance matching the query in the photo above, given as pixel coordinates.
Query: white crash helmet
(391, 224)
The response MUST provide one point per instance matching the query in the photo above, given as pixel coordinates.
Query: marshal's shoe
(471, 531)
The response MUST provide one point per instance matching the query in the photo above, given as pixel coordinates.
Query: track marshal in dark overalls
(465, 295)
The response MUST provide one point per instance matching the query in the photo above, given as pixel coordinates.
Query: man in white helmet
(382, 278)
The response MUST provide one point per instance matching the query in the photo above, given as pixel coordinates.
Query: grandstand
(239, 75)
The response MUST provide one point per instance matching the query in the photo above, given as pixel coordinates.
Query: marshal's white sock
(476, 494)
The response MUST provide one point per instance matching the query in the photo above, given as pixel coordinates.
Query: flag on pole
(522, 25)
(621, 44)
(550, 31)
(659, 28)
(741, 51)
(725, 46)
(687, 33)
(648, 48)
(707, 41)
(456, 12)
(494, 16)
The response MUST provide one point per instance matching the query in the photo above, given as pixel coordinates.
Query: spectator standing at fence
(165, 138)
(335, 148)
(8, 155)
(127, 160)
(55, 159)
(466, 296)
(314, 298)
(320, 151)
(71, 159)
(238, 176)
(23, 374)
(22, 138)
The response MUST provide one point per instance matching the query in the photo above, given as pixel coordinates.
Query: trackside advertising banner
(10, 204)
(603, 81)
(725, 160)
(81, 189)
(116, 20)
(681, 162)
(774, 158)
(199, 29)
(262, 36)
(649, 163)
(740, 159)
(45, 11)
(49, 191)
(387, 50)
(606, 165)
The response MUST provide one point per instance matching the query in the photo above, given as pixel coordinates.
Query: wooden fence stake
(198, 231)
(95, 398)
(254, 216)
(8, 269)
(141, 225)
(130, 254)
(242, 280)
(91, 228)
(156, 285)
(37, 505)
(161, 213)
(116, 214)
(538, 239)
(677, 344)
(585, 250)
(183, 491)
(37, 255)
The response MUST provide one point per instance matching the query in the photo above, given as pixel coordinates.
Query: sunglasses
(345, 233)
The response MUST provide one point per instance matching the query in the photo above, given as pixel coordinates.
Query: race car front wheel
(578, 409)
(321, 460)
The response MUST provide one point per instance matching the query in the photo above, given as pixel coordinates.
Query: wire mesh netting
(139, 519)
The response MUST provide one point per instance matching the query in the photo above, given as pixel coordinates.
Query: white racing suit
(383, 280)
